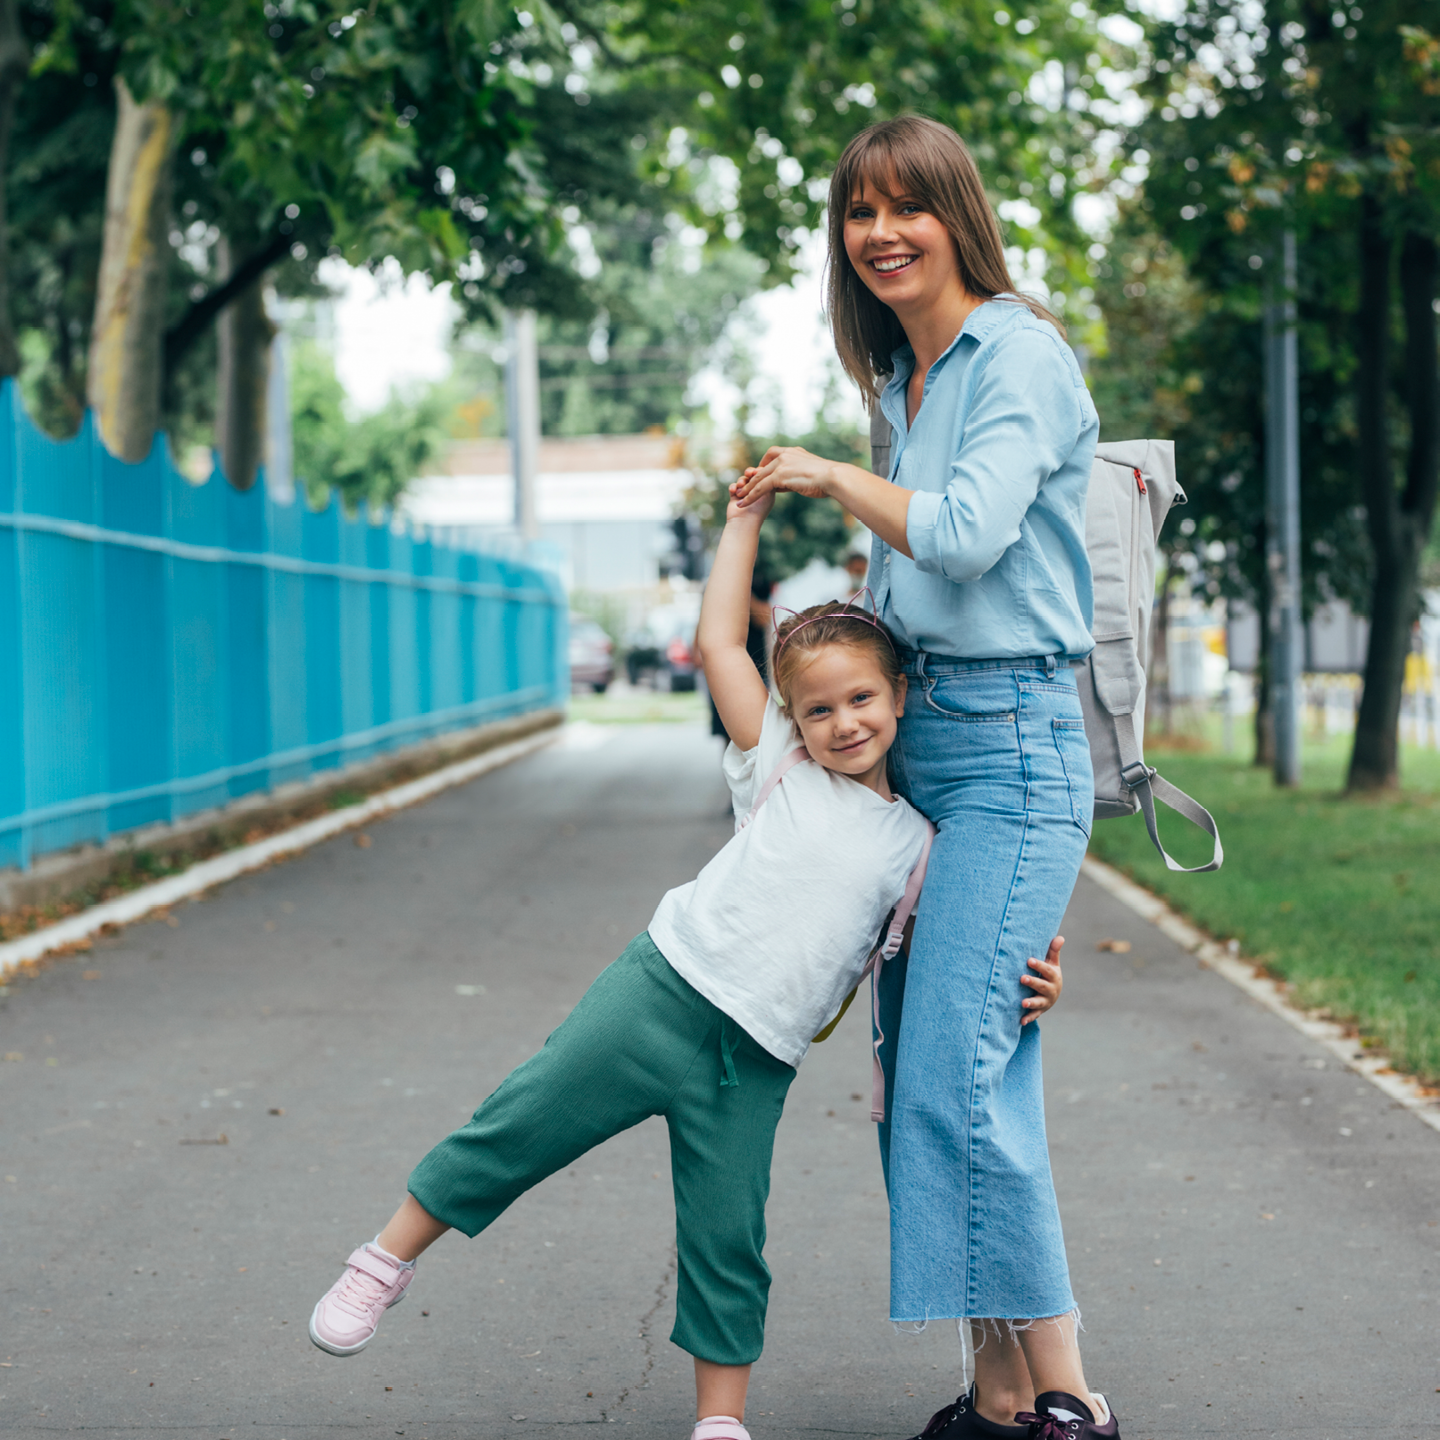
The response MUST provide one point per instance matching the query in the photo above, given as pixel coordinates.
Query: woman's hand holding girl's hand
(784, 467)
(1047, 983)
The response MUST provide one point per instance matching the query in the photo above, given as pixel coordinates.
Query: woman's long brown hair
(923, 159)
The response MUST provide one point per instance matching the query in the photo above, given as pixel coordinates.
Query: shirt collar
(979, 324)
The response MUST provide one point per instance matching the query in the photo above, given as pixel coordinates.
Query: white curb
(1402, 1089)
(227, 866)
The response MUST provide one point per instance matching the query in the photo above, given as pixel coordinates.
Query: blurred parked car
(592, 655)
(662, 653)
(680, 661)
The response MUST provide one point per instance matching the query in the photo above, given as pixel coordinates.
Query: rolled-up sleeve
(1023, 423)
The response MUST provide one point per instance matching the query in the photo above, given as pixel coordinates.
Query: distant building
(606, 504)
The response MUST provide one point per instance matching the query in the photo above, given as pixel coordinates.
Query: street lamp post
(522, 407)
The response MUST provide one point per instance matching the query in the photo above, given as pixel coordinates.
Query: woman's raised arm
(877, 504)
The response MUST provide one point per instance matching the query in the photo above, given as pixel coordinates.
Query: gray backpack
(1132, 487)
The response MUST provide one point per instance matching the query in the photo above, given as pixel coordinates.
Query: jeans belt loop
(1049, 667)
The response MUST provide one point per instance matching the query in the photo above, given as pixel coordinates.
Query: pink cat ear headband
(866, 617)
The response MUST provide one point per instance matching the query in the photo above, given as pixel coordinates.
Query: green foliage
(1293, 116)
(1183, 360)
(778, 89)
(469, 141)
(798, 530)
(369, 460)
(661, 307)
(1331, 896)
(608, 611)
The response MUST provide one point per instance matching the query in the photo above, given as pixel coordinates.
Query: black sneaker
(1063, 1417)
(962, 1421)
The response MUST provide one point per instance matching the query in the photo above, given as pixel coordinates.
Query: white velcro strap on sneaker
(719, 1427)
(376, 1266)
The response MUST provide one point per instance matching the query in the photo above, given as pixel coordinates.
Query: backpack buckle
(1133, 776)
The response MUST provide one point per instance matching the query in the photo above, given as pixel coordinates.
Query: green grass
(640, 707)
(1339, 896)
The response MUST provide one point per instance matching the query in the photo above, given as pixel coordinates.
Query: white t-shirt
(776, 929)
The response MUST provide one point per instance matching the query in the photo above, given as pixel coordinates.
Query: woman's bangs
(893, 170)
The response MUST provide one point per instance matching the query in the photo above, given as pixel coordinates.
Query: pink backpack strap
(894, 937)
(786, 765)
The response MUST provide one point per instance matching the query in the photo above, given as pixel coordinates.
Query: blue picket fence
(167, 647)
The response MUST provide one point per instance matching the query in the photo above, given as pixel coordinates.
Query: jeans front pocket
(971, 700)
(1074, 751)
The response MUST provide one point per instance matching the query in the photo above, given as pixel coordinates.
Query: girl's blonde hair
(833, 623)
(923, 159)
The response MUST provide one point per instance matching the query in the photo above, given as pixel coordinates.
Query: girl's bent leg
(412, 1230)
(616, 1060)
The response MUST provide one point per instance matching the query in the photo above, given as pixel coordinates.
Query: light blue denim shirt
(999, 459)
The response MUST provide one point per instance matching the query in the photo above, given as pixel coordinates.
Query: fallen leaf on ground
(363, 841)
(1115, 947)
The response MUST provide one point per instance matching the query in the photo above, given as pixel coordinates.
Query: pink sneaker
(344, 1320)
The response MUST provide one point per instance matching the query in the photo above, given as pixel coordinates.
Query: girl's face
(900, 250)
(847, 712)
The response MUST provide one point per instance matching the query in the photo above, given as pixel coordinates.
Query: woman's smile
(890, 264)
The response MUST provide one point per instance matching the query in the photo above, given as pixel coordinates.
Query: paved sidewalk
(1253, 1230)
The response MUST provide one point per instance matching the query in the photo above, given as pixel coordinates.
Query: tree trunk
(245, 333)
(14, 66)
(123, 385)
(1399, 522)
(1264, 710)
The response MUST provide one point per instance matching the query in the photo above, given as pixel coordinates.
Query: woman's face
(900, 250)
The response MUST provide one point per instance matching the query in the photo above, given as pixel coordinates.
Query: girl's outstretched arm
(735, 684)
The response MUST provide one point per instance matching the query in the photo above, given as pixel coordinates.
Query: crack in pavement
(647, 1349)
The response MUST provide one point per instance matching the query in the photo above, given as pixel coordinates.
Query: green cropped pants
(641, 1042)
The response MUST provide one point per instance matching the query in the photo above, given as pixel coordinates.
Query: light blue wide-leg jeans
(994, 752)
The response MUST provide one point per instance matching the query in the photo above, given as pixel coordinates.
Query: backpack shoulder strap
(881, 441)
(787, 764)
(1147, 785)
(906, 908)
(890, 947)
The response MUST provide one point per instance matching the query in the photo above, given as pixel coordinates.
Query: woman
(979, 568)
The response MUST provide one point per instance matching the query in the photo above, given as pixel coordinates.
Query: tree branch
(197, 319)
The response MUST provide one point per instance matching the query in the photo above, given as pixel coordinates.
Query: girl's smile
(847, 713)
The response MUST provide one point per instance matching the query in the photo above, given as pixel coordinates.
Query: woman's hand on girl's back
(1047, 982)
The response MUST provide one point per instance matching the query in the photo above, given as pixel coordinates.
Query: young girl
(704, 1018)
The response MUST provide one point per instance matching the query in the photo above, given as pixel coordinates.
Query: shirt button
(887, 559)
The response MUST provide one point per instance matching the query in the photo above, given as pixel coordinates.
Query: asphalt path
(1253, 1229)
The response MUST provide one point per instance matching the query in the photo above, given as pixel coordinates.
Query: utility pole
(522, 405)
(1282, 511)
